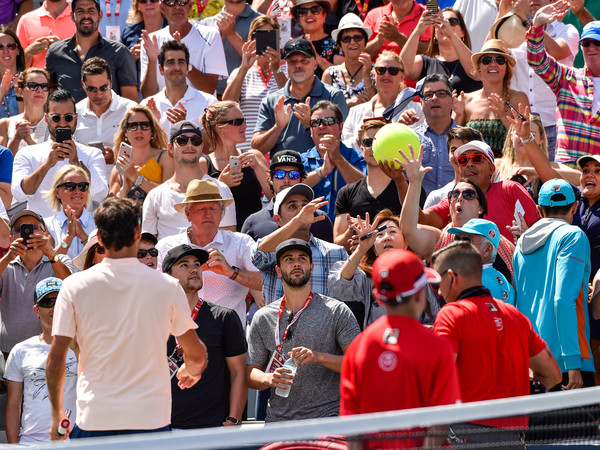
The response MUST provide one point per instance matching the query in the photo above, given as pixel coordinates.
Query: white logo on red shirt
(499, 323)
(388, 361)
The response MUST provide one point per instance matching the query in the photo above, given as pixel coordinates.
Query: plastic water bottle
(291, 365)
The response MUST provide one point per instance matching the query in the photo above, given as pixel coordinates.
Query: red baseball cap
(398, 274)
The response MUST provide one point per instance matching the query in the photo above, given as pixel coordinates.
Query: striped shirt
(578, 126)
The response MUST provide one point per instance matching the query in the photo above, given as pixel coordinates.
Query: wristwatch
(234, 420)
(63, 244)
(138, 181)
(527, 141)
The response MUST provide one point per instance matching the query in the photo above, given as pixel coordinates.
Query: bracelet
(319, 173)
(353, 262)
(53, 260)
(234, 420)
(236, 271)
(368, 86)
(85, 242)
(527, 141)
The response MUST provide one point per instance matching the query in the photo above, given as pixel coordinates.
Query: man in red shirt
(494, 343)
(396, 363)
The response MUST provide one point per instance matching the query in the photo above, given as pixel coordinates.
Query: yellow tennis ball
(392, 141)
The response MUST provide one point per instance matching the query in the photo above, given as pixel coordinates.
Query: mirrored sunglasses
(94, 89)
(327, 121)
(292, 174)
(463, 160)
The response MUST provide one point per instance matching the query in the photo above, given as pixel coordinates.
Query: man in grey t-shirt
(313, 329)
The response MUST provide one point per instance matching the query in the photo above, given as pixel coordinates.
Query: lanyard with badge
(178, 352)
(113, 32)
(277, 360)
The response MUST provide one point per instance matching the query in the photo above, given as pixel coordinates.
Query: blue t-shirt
(6, 164)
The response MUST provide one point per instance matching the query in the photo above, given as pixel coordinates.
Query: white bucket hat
(348, 22)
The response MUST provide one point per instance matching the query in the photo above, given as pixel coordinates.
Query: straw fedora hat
(494, 47)
(351, 21)
(202, 191)
(511, 29)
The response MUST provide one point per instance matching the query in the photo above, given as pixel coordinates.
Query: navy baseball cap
(292, 244)
(176, 253)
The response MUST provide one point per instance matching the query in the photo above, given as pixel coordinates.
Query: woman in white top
(258, 76)
(389, 80)
(73, 222)
(28, 128)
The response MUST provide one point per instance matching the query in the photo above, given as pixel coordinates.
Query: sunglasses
(487, 60)
(70, 186)
(33, 86)
(367, 142)
(183, 140)
(11, 46)
(234, 122)
(356, 38)
(94, 89)
(143, 2)
(292, 174)
(463, 160)
(441, 93)
(392, 70)
(297, 47)
(585, 43)
(47, 302)
(314, 10)
(56, 117)
(100, 249)
(467, 194)
(133, 126)
(172, 2)
(327, 121)
(142, 253)
(453, 21)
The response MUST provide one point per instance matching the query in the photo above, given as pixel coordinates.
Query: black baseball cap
(299, 45)
(286, 158)
(184, 126)
(176, 253)
(292, 244)
(149, 237)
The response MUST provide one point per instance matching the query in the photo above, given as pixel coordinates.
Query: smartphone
(63, 134)
(98, 144)
(126, 150)
(26, 232)
(266, 38)
(432, 6)
(234, 164)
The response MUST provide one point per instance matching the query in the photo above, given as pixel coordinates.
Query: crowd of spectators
(244, 136)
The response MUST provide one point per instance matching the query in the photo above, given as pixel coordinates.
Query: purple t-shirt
(8, 10)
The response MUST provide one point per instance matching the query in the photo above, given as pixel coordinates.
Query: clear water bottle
(291, 365)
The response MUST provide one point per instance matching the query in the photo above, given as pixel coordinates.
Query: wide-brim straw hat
(349, 22)
(494, 47)
(199, 191)
(511, 29)
(79, 260)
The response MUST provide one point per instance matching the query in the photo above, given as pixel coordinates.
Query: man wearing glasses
(207, 58)
(101, 112)
(25, 264)
(35, 166)
(65, 58)
(286, 170)
(28, 410)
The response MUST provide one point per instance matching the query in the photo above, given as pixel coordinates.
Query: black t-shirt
(327, 48)
(206, 404)
(261, 224)
(454, 70)
(355, 199)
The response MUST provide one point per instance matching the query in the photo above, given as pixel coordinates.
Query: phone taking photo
(63, 134)
(126, 150)
(26, 230)
(234, 164)
(432, 6)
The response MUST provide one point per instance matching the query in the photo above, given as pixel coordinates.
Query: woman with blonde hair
(149, 164)
(143, 15)
(225, 128)
(70, 198)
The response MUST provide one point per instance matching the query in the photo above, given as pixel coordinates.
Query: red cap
(400, 273)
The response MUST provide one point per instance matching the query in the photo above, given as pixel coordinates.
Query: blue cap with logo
(481, 227)
(45, 287)
(556, 192)
(591, 31)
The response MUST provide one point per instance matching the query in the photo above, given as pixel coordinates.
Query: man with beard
(65, 58)
(35, 166)
(284, 116)
(313, 329)
(219, 397)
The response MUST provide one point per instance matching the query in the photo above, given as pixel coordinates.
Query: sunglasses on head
(47, 302)
(292, 174)
(100, 249)
(143, 2)
(33, 86)
(453, 21)
(468, 194)
(392, 70)
(367, 142)
(314, 10)
(172, 2)
(11, 46)
(183, 140)
(133, 126)
(441, 93)
(463, 160)
(151, 251)
(487, 60)
(234, 122)
(327, 121)
(70, 186)
(587, 42)
(355, 37)
(56, 117)
(94, 89)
